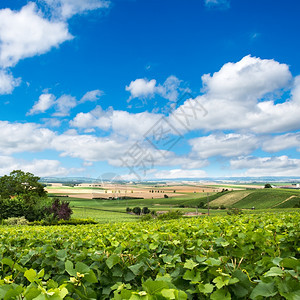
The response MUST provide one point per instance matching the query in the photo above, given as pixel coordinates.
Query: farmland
(221, 257)
(188, 198)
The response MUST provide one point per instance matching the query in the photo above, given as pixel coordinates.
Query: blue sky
(150, 89)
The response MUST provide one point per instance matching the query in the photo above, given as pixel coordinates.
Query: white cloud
(39, 167)
(233, 99)
(64, 104)
(228, 145)
(145, 89)
(179, 173)
(91, 96)
(282, 142)
(44, 103)
(141, 88)
(65, 9)
(7, 82)
(267, 166)
(170, 89)
(26, 33)
(120, 122)
(18, 137)
(217, 3)
(247, 80)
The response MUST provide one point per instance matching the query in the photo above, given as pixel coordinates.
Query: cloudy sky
(150, 88)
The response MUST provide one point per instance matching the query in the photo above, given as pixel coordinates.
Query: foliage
(234, 211)
(171, 215)
(16, 221)
(20, 183)
(145, 210)
(30, 206)
(268, 186)
(249, 257)
(46, 222)
(60, 209)
(147, 217)
(166, 196)
(137, 210)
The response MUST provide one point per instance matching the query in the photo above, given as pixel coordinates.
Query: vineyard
(221, 257)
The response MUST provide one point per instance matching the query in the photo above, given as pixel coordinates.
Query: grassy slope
(230, 198)
(265, 198)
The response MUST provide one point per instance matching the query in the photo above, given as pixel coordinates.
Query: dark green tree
(268, 186)
(21, 183)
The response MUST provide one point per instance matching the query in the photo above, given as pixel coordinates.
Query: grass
(115, 210)
(265, 198)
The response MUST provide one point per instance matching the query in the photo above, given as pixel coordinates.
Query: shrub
(61, 210)
(201, 205)
(128, 209)
(147, 217)
(16, 221)
(31, 207)
(171, 215)
(234, 211)
(166, 196)
(136, 210)
(268, 186)
(145, 210)
(63, 222)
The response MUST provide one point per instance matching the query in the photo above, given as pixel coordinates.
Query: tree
(22, 195)
(61, 210)
(21, 183)
(268, 186)
(137, 210)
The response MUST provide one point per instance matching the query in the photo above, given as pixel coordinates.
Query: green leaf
(136, 268)
(81, 268)
(264, 289)
(70, 268)
(30, 275)
(153, 287)
(191, 275)
(112, 260)
(7, 261)
(274, 271)
(168, 293)
(213, 262)
(91, 277)
(190, 264)
(220, 295)
(206, 288)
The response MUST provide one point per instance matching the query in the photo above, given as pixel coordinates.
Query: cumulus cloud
(7, 82)
(44, 103)
(64, 104)
(65, 9)
(227, 145)
(120, 122)
(267, 166)
(27, 33)
(282, 142)
(234, 99)
(141, 88)
(18, 137)
(179, 173)
(147, 89)
(39, 167)
(249, 79)
(91, 96)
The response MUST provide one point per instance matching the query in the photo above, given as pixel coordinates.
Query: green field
(114, 210)
(222, 257)
(266, 198)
